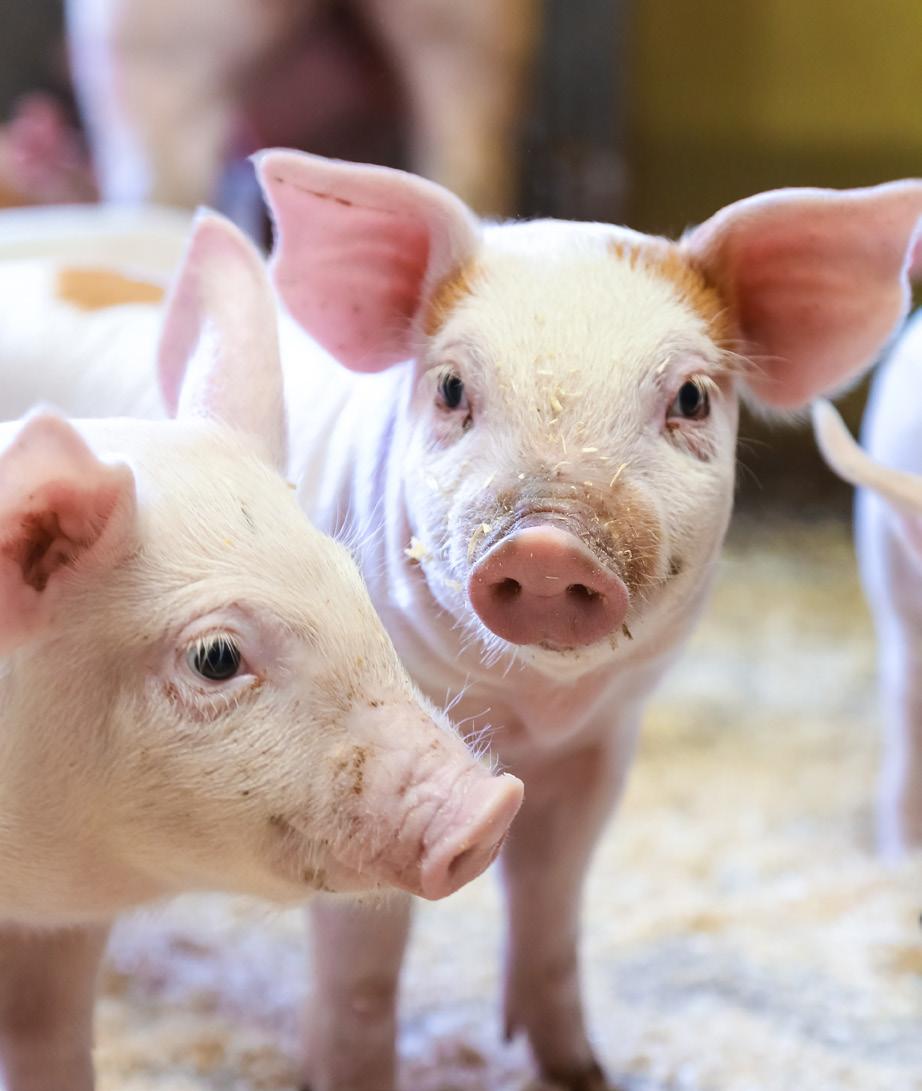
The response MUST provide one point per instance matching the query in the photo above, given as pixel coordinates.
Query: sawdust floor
(739, 934)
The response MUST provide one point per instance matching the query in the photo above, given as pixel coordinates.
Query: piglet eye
(216, 657)
(692, 401)
(451, 390)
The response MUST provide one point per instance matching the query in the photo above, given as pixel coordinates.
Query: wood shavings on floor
(740, 935)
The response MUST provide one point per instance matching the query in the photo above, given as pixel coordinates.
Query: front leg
(567, 800)
(47, 986)
(352, 1021)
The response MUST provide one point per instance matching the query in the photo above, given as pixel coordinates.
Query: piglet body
(888, 533)
(195, 691)
(534, 445)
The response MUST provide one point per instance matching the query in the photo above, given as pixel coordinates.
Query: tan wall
(826, 73)
(727, 99)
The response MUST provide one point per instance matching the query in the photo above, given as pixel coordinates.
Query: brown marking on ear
(96, 289)
(662, 258)
(447, 295)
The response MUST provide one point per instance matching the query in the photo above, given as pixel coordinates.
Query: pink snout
(467, 834)
(542, 585)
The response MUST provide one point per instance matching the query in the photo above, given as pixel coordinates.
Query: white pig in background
(195, 691)
(167, 88)
(889, 541)
(529, 429)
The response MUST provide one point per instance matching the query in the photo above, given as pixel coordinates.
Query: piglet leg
(357, 951)
(47, 985)
(567, 799)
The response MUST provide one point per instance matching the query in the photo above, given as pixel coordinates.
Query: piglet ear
(62, 512)
(218, 355)
(816, 281)
(359, 251)
(902, 490)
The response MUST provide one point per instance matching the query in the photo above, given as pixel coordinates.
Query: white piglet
(195, 691)
(888, 531)
(530, 429)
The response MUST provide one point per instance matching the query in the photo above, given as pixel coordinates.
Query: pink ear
(61, 508)
(358, 249)
(816, 280)
(218, 355)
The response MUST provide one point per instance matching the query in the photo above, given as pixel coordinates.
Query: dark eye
(216, 658)
(451, 390)
(692, 401)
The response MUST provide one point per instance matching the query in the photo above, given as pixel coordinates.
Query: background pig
(889, 540)
(171, 92)
(194, 688)
(530, 431)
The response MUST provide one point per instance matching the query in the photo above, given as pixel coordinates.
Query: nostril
(581, 592)
(458, 863)
(507, 589)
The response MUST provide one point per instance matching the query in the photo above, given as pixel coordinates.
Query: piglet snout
(542, 585)
(467, 833)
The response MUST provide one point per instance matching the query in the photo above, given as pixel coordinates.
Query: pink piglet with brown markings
(531, 428)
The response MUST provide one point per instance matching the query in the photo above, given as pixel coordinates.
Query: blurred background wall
(649, 112)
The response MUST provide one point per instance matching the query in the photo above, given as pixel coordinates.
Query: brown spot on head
(634, 532)
(663, 258)
(94, 289)
(447, 295)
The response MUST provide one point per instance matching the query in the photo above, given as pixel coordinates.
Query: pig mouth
(314, 865)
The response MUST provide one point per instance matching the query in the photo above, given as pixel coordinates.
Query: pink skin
(541, 585)
(420, 814)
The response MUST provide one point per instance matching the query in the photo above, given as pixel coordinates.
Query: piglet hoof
(591, 1078)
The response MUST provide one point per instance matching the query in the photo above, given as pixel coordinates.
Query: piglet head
(569, 413)
(205, 695)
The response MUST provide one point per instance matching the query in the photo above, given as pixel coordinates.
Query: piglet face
(574, 415)
(571, 456)
(263, 736)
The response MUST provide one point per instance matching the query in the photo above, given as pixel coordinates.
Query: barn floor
(740, 935)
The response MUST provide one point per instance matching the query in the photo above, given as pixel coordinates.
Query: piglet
(195, 692)
(531, 427)
(888, 531)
